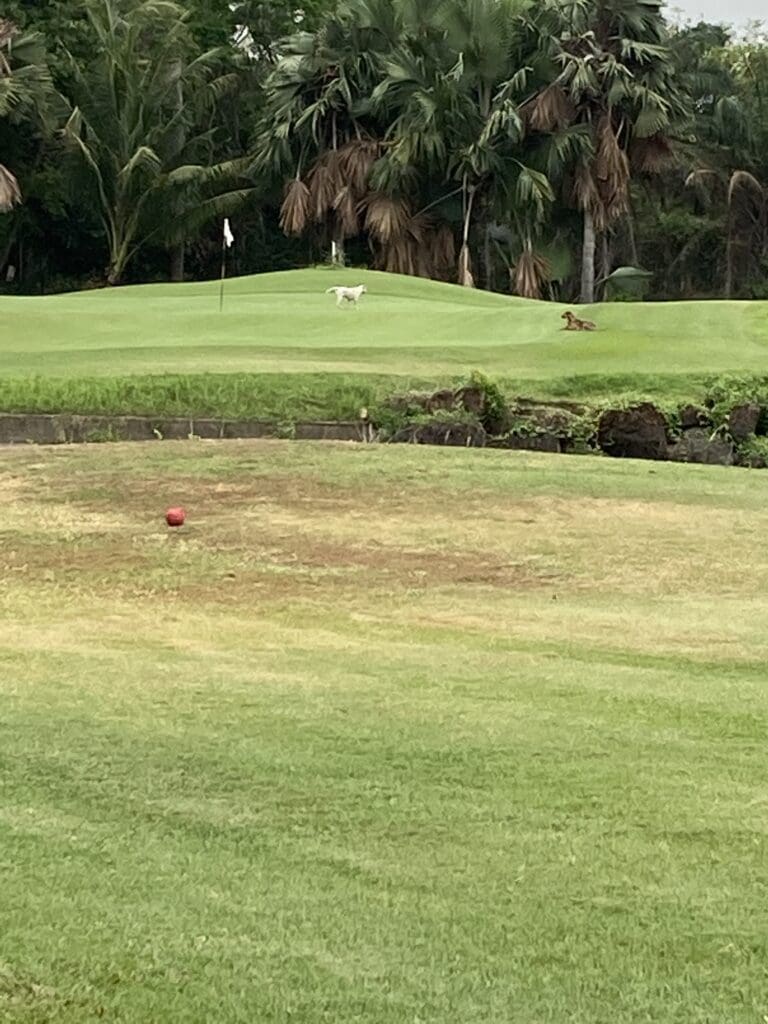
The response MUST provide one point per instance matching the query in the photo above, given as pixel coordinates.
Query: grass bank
(295, 397)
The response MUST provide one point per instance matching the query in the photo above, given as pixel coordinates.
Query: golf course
(384, 733)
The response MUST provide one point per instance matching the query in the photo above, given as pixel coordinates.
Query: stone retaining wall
(40, 428)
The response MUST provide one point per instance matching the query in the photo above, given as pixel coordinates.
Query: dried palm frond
(396, 257)
(612, 172)
(700, 176)
(548, 111)
(611, 162)
(530, 274)
(705, 181)
(324, 181)
(418, 233)
(743, 181)
(356, 160)
(465, 267)
(443, 246)
(585, 191)
(10, 193)
(345, 207)
(652, 155)
(7, 31)
(294, 212)
(386, 218)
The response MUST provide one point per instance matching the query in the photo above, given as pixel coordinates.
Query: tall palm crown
(612, 96)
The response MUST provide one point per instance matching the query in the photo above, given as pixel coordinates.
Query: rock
(453, 435)
(691, 417)
(471, 399)
(639, 432)
(548, 419)
(698, 445)
(752, 461)
(541, 442)
(743, 420)
(441, 400)
(413, 401)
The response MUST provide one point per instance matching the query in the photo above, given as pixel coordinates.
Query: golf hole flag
(227, 242)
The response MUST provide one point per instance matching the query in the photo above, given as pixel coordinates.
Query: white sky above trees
(736, 12)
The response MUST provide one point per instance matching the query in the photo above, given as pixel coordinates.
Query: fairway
(385, 734)
(284, 323)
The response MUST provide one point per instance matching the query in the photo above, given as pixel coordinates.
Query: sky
(737, 12)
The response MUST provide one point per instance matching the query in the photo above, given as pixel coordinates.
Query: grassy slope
(278, 323)
(386, 735)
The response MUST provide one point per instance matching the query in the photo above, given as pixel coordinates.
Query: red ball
(175, 516)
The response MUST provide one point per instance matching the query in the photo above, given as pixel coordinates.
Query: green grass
(385, 735)
(284, 324)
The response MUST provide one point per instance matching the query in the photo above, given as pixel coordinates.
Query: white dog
(348, 294)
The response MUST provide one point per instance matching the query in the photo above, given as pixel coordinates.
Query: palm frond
(324, 183)
(611, 171)
(585, 191)
(652, 155)
(294, 211)
(550, 110)
(345, 206)
(356, 160)
(744, 182)
(205, 212)
(386, 218)
(530, 274)
(144, 160)
(533, 190)
(10, 193)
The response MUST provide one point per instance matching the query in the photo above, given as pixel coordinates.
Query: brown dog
(574, 324)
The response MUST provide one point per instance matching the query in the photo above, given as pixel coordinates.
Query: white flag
(229, 238)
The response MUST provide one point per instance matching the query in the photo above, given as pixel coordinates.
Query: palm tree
(745, 201)
(727, 153)
(135, 129)
(26, 94)
(612, 97)
(392, 111)
(319, 134)
(453, 94)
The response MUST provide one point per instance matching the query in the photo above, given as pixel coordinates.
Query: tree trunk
(630, 222)
(338, 258)
(605, 263)
(465, 270)
(729, 255)
(587, 295)
(177, 254)
(488, 258)
(5, 254)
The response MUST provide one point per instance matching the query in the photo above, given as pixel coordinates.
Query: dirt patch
(101, 555)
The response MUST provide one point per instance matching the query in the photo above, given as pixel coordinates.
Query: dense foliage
(543, 149)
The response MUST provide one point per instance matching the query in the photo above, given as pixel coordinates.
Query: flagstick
(223, 270)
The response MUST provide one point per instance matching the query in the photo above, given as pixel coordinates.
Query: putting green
(285, 323)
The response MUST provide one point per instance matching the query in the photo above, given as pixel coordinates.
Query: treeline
(571, 149)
